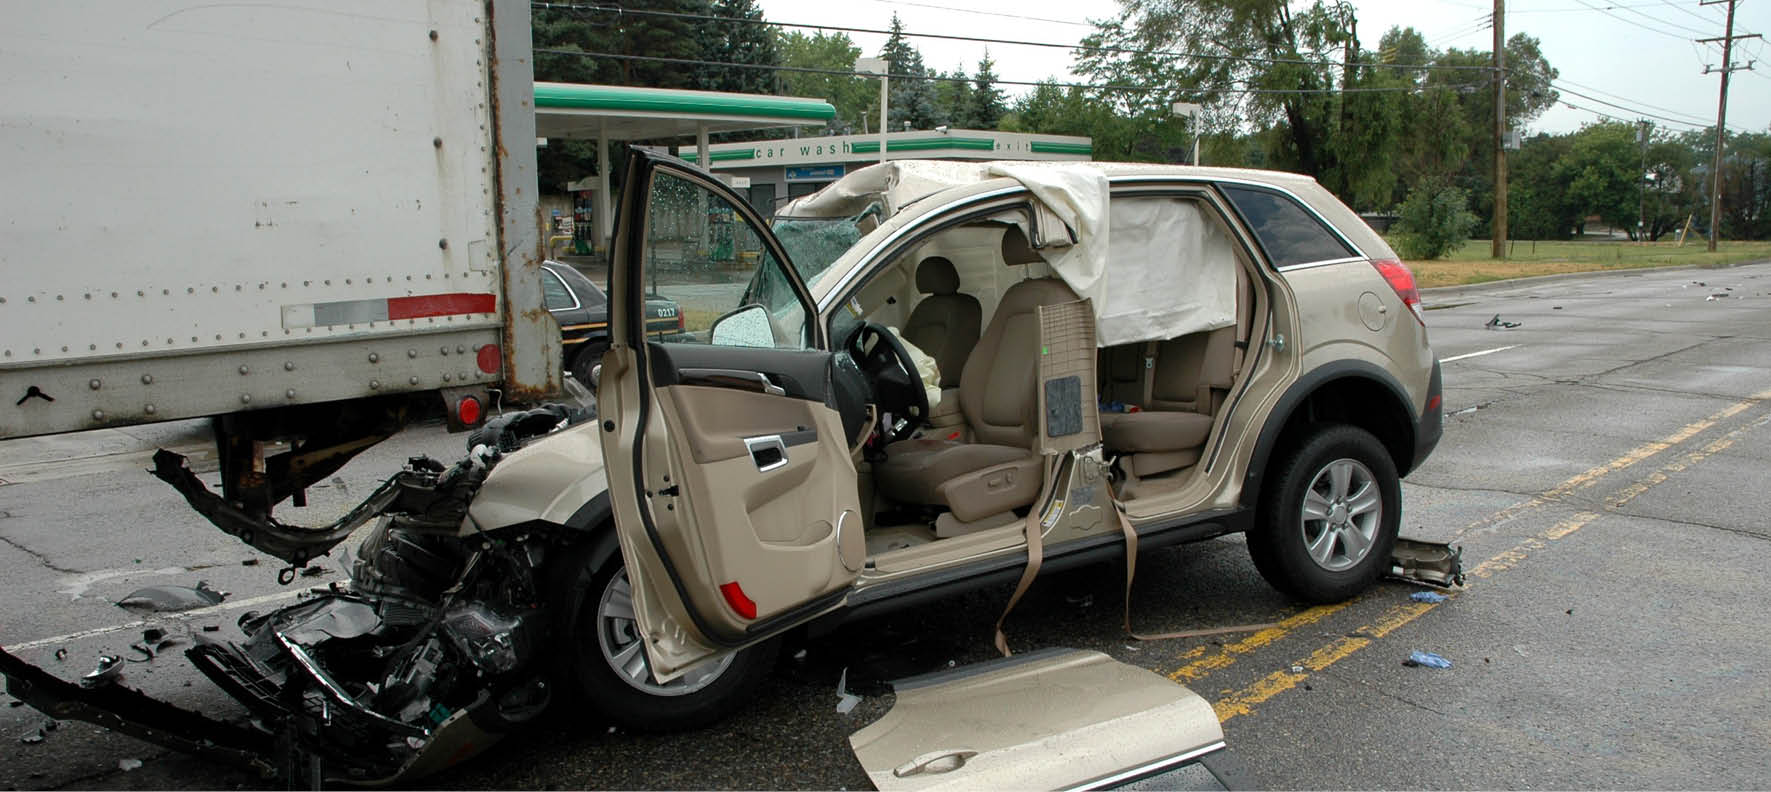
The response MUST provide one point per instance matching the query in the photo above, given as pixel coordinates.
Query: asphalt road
(1604, 467)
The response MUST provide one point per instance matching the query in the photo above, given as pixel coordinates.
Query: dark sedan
(583, 313)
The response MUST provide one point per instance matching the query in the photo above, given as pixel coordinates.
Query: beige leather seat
(996, 471)
(945, 324)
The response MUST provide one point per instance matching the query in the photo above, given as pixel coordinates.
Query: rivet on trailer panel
(445, 377)
(94, 383)
(374, 384)
(147, 379)
(149, 409)
(412, 380)
(289, 394)
(245, 398)
(288, 365)
(411, 353)
(244, 370)
(442, 350)
(98, 415)
(374, 358)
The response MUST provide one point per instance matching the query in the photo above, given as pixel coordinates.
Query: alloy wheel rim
(1342, 510)
(618, 635)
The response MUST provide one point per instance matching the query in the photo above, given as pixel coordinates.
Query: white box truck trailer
(298, 219)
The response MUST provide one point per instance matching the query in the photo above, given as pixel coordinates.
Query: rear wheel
(604, 660)
(1330, 517)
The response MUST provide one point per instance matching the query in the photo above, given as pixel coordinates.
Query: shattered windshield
(814, 243)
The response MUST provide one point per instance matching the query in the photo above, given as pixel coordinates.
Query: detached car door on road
(734, 494)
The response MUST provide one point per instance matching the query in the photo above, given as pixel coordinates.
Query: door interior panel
(802, 373)
(718, 422)
(767, 524)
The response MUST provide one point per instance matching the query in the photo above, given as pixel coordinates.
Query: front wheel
(604, 661)
(1328, 522)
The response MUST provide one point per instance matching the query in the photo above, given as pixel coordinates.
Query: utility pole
(1500, 130)
(1642, 127)
(1727, 40)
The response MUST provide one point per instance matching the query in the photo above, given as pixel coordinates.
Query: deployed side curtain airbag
(1173, 272)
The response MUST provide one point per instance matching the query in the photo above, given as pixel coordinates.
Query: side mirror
(748, 326)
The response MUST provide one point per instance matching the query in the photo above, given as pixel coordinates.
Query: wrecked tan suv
(922, 374)
(925, 377)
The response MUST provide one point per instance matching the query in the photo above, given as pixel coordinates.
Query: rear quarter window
(1288, 233)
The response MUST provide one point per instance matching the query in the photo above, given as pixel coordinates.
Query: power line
(1627, 20)
(1625, 108)
(1002, 14)
(943, 78)
(1637, 101)
(986, 40)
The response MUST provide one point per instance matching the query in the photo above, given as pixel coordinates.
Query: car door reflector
(1402, 281)
(741, 604)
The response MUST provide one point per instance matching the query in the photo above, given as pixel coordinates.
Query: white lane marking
(186, 615)
(1479, 354)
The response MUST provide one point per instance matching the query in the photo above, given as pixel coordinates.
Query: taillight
(679, 320)
(468, 410)
(1402, 282)
(489, 358)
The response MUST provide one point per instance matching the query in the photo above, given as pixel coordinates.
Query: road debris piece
(249, 562)
(61, 654)
(313, 571)
(1432, 563)
(845, 701)
(108, 670)
(127, 765)
(1297, 669)
(1497, 324)
(38, 734)
(1428, 596)
(142, 647)
(211, 628)
(1427, 659)
(171, 599)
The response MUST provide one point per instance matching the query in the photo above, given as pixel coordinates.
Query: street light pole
(883, 68)
(1642, 127)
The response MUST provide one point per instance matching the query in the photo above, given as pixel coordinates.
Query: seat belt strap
(1035, 531)
(1149, 373)
(1131, 569)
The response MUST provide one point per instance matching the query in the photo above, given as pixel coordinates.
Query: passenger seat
(945, 324)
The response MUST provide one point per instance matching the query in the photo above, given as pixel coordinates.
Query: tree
(986, 105)
(1602, 169)
(912, 98)
(853, 96)
(953, 99)
(747, 42)
(1435, 221)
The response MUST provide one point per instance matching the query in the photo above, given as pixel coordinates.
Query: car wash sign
(954, 144)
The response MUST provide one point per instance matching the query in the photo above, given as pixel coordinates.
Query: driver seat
(998, 470)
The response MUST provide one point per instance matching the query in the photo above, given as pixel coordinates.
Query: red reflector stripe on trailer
(348, 312)
(440, 305)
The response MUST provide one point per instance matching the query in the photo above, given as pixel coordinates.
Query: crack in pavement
(1691, 524)
(1331, 674)
(41, 558)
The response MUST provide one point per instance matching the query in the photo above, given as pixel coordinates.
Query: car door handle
(769, 452)
(944, 761)
(731, 378)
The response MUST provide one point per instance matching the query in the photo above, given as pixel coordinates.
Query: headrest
(936, 275)
(1015, 248)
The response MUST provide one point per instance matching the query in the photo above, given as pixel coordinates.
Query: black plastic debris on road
(1496, 324)
(172, 599)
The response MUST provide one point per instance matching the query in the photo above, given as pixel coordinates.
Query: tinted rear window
(1287, 232)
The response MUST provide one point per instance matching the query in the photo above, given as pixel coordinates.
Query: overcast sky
(1635, 53)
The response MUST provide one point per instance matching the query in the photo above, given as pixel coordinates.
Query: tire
(601, 664)
(587, 359)
(1346, 480)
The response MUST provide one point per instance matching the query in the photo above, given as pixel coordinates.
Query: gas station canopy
(610, 112)
(565, 110)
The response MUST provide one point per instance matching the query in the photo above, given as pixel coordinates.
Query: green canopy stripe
(564, 96)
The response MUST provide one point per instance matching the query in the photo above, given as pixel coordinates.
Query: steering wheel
(891, 371)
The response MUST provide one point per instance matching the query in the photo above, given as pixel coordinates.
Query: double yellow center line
(1202, 661)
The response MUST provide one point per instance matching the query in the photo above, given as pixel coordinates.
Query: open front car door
(733, 491)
